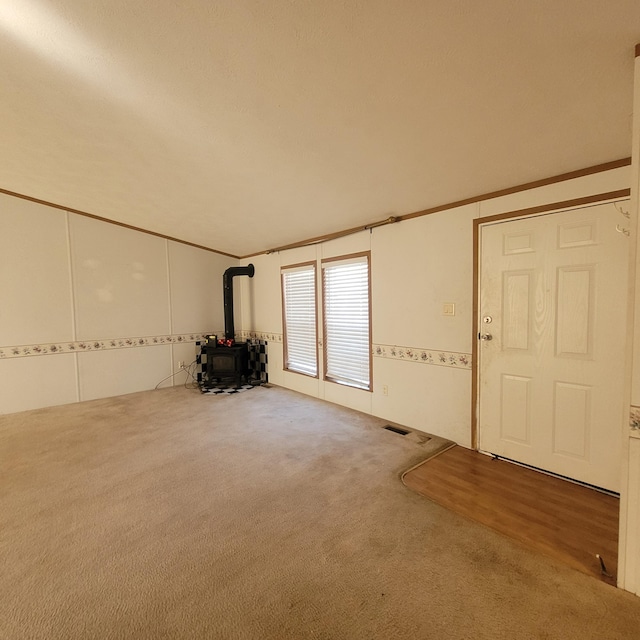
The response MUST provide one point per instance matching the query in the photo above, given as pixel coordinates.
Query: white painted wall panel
(39, 381)
(298, 382)
(347, 396)
(196, 288)
(629, 549)
(429, 398)
(416, 267)
(631, 520)
(261, 308)
(274, 367)
(182, 353)
(301, 254)
(120, 371)
(120, 280)
(35, 287)
(354, 243)
(60, 270)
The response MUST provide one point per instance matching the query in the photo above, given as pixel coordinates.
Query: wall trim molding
(437, 357)
(527, 186)
(563, 177)
(579, 173)
(93, 216)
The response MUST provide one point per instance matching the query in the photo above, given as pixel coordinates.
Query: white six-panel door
(551, 359)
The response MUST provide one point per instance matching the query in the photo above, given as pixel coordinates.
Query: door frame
(600, 198)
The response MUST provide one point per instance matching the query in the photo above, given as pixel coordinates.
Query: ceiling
(242, 125)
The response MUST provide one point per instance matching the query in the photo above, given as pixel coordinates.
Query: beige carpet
(264, 515)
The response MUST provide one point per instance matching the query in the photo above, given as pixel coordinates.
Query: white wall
(417, 266)
(629, 542)
(91, 309)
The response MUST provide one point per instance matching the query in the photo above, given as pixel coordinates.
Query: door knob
(485, 336)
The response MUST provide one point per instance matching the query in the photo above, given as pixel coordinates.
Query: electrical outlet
(385, 390)
(181, 364)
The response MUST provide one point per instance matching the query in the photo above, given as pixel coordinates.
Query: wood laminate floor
(563, 520)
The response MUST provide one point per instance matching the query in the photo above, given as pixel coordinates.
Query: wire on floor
(189, 373)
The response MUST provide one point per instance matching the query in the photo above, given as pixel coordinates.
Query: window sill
(301, 373)
(351, 385)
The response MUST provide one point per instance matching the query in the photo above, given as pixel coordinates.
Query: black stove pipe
(227, 286)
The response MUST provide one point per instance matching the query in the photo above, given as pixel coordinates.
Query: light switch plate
(448, 309)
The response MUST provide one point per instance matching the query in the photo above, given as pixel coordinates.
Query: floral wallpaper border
(259, 335)
(426, 356)
(79, 346)
(414, 354)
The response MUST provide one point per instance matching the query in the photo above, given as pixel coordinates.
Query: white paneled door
(553, 300)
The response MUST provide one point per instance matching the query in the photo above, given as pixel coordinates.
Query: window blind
(299, 295)
(346, 319)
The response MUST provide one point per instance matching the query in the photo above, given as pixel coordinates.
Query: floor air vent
(402, 432)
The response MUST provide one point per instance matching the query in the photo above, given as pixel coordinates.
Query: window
(347, 329)
(299, 309)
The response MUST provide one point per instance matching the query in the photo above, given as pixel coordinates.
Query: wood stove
(226, 359)
(227, 362)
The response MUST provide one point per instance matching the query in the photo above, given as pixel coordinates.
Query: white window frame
(336, 368)
(305, 364)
